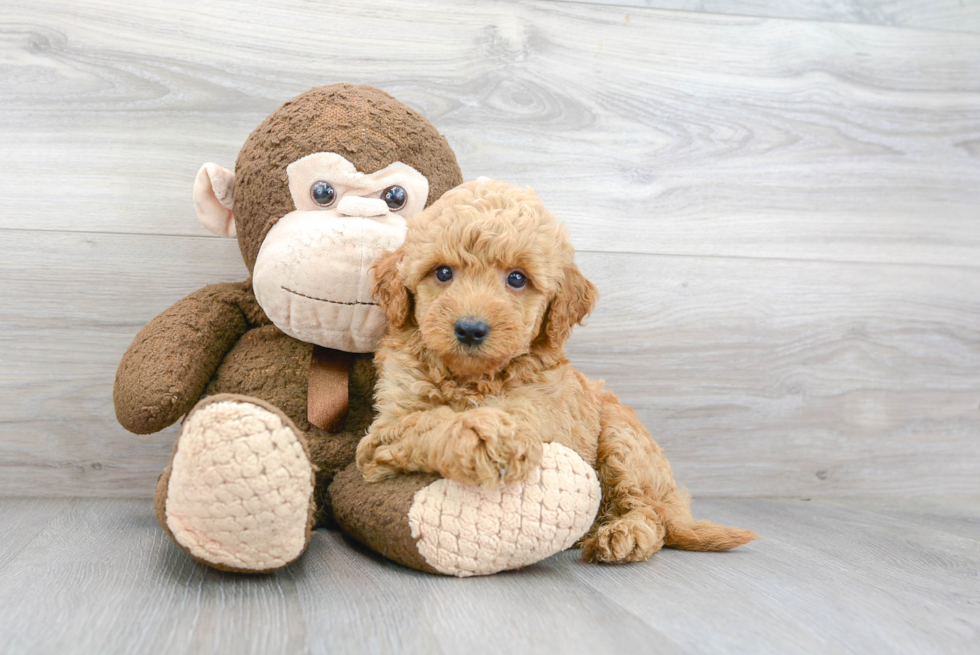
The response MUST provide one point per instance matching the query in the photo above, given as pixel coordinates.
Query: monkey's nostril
(471, 331)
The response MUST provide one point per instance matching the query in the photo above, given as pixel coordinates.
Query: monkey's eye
(516, 280)
(444, 273)
(323, 194)
(395, 197)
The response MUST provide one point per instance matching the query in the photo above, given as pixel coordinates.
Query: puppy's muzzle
(471, 331)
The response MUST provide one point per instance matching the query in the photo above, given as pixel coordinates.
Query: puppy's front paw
(378, 461)
(626, 539)
(490, 449)
(380, 466)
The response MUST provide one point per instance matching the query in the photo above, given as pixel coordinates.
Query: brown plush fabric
(363, 124)
(334, 452)
(219, 341)
(267, 365)
(166, 368)
(269, 368)
(377, 514)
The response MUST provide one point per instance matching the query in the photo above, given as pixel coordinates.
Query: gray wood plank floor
(829, 576)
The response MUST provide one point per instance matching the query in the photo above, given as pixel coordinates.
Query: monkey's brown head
(321, 188)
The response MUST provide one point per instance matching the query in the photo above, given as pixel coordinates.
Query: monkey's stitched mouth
(333, 302)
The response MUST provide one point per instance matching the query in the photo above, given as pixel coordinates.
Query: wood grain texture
(781, 215)
(826, 578)
(759, 377)
(949, 15)
(672, 133)
(844, 576)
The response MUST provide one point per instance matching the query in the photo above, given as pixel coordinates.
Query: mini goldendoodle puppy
(473, 377)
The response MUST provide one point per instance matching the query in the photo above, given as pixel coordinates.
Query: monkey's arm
(166, 368)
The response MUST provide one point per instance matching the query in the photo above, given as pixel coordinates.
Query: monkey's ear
(390, 291)
(574, 301)
(214, 190)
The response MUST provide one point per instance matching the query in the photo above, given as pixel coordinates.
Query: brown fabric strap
(327, 399)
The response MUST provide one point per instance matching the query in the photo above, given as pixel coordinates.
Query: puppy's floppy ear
(390, 291)
(574, 301)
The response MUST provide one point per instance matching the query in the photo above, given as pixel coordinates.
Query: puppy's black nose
(471, 331)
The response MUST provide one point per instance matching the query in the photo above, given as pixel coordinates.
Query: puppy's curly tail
(684, 533)
(706, 536)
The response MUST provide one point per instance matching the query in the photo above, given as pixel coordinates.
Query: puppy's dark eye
(395, 197)
(444, 274)
(323, 194)
(516, 280)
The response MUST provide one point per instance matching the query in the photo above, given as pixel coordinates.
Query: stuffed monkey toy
(274, 376)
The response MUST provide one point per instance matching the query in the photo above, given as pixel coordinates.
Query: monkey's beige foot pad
(464, 530)
(240, 487)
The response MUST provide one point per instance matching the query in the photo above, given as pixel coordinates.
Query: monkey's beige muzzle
(312, 275)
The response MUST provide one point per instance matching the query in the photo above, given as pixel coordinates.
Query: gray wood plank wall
(952, 15)
(782, 214)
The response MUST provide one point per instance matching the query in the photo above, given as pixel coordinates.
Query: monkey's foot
(238, 494)
(443, 526)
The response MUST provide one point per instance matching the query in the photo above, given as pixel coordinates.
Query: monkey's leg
(238, 494)
(442, 526)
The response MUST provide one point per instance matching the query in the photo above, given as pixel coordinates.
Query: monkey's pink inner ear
(214, 190)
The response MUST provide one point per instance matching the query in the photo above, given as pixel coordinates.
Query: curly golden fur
(479, 413)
